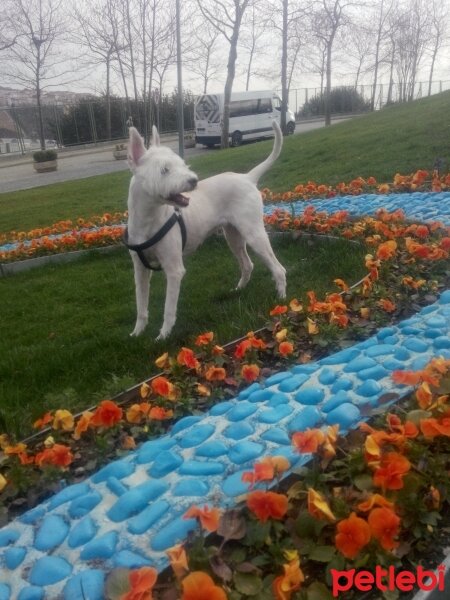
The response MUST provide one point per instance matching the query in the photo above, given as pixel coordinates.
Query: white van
(251, 116)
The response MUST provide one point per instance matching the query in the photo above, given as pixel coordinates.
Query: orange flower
(432, 428)
(162, 387)
(158, 413)
(58, 455)
(285, 348)
(186, 358)
(387, 250)
(242, 348)
(424, 395)
(199, 586)
(284, 585)
(250, 372)
(128, 443)
(278, 310)
(107, 414)
(406, 377)
(352, 535)
(341, 284)
(203, 390)
(82, 424)
(265, 470)
(295, 305)
(389, 476)
(318, 507)
(162, 362)
(386, 305)
(208, 517)
(215, 374)
(63, 419)
(384, 525)
(364, 312)
(267, 505)
(141, 583)
(134, 414)
(204, 339)
(308, 441)
(374, 500)
(313, 328)
(43, 421)
(178, 561)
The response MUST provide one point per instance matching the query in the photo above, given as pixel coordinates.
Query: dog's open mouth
(179, 200)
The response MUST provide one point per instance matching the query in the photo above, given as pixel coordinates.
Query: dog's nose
(193, 182)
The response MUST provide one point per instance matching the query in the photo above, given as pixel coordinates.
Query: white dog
(158, 235)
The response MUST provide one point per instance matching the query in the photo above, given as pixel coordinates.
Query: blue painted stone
(84, 504)
(327, 376)
(402, 354)
(392, 339)
(293, 383)
(241, 411)
(33, 515)
(385, 332)
(167, 462)
(310, 395)
(369, 388)
(14, 556)
(261, 395)
(150, 450)
(5, 592)
(211, 449)
(343, 383)
(221, 408)
(367, 343)
(291, 454)
(8, 535)
(82, 533)
(171, 534)
(276, 435)
(342, 357)
(88, 585)
(31, 593)
(234, 486)
(432, 333)
(277, 399)
(69, 493)
(409, 330)
(275, 415)
(436, 321)
(184, 423)
(306, 369)
(100, 547)
(118, 469)
(238, 431)
(359, 364)
(380, 350)
(245, 393)
(274, 379)
(307, 418)
(419, 363)
(199, 468)
(408, 322)
(444, 298)
(48, 570)
(190, 487)
(426, 310)
(344, 415)
(52, 533)
(415, 344)
(340, 398)
(244, 451)
(135, 500)
(196, 436)
(148, 517)
(393, 364)
(130, 560)
(116, 486)
(376, 373)
(442, 341)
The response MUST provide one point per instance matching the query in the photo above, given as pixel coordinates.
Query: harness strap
(139, 248)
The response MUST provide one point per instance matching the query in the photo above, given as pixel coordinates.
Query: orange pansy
(158, 413)
(308, 441)
(386, 304)
(141, 584)
(352, 535)
(178, 561)
(200, 586)
(83, 424)
(374, 500)
(215, 374)
(107, 414)
(58, 455)
(43, 421)
(318, 507)
(436, 427)
(406, 377)
(208, 517)
(267, 505)
(162, 362)
(161, 386)
(389, 475)
(284, 585)
(424, 395)
(63, 419)
(250, 372)
(285, 348)
(186, 358)
(278, 310)
(385, 526)
(204, 339)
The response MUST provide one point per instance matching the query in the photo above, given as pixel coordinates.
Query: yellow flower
(291, 555)
(49, 441)
(162, 362)
(145, 390)
(281, 335)
(64, 420)
(295, 305)
(3, 482)
(313, 329)
(318, 506)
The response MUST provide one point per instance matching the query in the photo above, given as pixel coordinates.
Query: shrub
(44, 155)
(342, 99)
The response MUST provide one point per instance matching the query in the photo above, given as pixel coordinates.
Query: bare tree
(439, 15)
(226, 16)
(7, 36)
(384, 10)
(34, 59)
(254, 30)
(203, 57)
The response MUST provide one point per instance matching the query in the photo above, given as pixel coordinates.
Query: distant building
(13, 97)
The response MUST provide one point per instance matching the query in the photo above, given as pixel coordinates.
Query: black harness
(139, 248)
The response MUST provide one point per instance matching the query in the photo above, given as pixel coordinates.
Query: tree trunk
(231, 70)
(284, 92)
(328, 84)
(108, 98)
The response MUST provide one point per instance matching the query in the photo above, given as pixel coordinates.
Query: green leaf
(322, 553)
(117, 584)
(247, 583)
(318, 591)
(305, 524)
(416, 415)
(232, 525)
(363, 482)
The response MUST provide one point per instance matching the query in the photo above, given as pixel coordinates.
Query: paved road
(18, 174)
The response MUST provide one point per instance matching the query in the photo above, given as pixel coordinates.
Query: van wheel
(290, 128)
(236, 139)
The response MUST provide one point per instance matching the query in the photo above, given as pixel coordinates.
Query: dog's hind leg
(258, 240)
(238, 246)
(142, 284)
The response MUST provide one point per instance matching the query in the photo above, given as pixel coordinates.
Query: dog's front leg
(174, 277)
(142, 277)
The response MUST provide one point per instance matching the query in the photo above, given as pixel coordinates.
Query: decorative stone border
(131, 511)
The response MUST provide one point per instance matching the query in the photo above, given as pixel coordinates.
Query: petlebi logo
(387, 580)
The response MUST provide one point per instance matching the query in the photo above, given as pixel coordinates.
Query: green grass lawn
(401, 138)
(66, 327)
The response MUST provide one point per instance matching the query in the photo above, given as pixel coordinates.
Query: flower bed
(406, 267)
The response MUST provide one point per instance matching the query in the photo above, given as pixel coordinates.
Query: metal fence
(88, 122)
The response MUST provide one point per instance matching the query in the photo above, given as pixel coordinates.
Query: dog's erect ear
(136, 148)
(155, 137)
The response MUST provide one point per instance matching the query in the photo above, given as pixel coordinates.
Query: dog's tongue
(180, 199)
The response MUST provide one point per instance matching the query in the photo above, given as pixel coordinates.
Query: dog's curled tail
(257, 172)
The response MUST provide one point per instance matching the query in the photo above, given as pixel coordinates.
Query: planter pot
(120, 154)
(46, 166)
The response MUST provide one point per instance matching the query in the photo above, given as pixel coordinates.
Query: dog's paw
(141, 324)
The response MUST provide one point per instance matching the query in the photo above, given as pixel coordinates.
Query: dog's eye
(164, 170)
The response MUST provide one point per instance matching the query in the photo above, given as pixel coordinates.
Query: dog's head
(160, 172)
